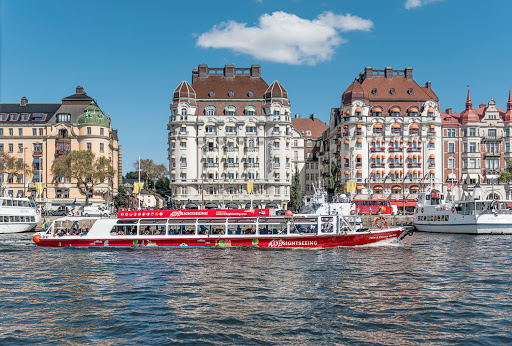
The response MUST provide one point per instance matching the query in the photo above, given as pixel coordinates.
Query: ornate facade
(36, 134)
(385, 137)
(227, 129)
(476, 149)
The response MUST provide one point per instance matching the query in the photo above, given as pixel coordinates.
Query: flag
(39, 188)
(137, 187)
(408, 175)
(351, 186)
(387, 176)
(45, 226)
(250, 187)
(425, 177)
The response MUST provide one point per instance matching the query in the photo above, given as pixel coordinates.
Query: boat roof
(192, 213)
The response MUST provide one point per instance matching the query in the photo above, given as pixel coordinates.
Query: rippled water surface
(438, 289)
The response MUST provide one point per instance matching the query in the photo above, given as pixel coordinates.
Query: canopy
(359, 126)
(377, 110)
(413, 110)
(395, 126)
(414, 127)
(377, 188)
(377, 126)
(358, 110)
(395, 110)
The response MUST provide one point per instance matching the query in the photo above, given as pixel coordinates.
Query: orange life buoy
(352, 212)
(381, 222)
(453, 209)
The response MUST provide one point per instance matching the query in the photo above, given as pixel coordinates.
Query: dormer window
(230, 94)
(374, 91)
(392, 91)
(13, 117)
(3, 117)
(24, 117)
(38, 117)
(63, 118)
(250, 94)
(410, 91)
(211, 93)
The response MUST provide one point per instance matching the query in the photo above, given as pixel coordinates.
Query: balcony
(61, 152)
(413, 164)
(231, 165)
(251, 165)
(37, 153)
(211, 164)
(231, 150)
(183, 165)
(251, 150)
(492, 153)
(395, 149)
(413, 149)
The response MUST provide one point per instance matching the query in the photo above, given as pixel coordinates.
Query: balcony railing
(251, 150)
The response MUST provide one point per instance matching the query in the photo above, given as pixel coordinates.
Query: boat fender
(36, 239)
(381, 222)
(352, 212)
(453, 209)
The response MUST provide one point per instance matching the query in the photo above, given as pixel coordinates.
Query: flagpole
(138, 192)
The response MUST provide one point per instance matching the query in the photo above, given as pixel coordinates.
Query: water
(434, 288)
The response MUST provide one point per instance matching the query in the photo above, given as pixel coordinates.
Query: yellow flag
(39, 188)
(137, 187)
(250, 187)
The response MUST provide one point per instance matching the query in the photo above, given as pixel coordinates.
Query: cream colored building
(37, 134)
(227, 129)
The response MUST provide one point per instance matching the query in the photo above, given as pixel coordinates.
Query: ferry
(213, 228)
(18, 214)
(472, 216)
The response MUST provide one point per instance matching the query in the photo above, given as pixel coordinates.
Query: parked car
(58, 212)
(96, 211)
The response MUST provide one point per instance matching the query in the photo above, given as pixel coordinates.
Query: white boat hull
(467, 224)
(6, 228)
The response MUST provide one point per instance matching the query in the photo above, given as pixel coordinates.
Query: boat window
(327, 227)
(152, 229)
(234, 229)
(17, 219)
(8, 202)
(303, 228)
(124, 230)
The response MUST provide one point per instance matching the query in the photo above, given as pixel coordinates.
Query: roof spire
(469, 104)
(509, 103)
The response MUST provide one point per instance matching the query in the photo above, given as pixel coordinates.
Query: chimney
(428, 85)
(296, 115)
(229, 71)
(408, 73)
(24, 101)
(368, 71)
(388, 72)
(448, 111)
(256, 71)
(195, 75)
(80, 90)
(203, 71)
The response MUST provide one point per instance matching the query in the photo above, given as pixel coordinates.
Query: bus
(373, 206)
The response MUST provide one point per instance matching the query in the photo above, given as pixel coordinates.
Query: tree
(121, 200)
(506, 175)
(13, 166)
(333, 183)
(150, 172)
(85, 169)
(132, 175)
(296, 193)
(162, 186)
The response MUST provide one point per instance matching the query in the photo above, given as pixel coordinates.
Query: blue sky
(131, 55)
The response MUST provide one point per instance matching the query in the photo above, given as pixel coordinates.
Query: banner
(193, 213)
(137, 187)
(250, 187)
(39, 188)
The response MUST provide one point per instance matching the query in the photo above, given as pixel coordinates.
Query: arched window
(183, 111)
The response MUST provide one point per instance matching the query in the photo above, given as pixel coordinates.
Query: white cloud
(418, 3)
(284, 37)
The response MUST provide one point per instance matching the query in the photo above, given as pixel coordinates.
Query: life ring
(352, 212)
(381, 222)
(453, 209)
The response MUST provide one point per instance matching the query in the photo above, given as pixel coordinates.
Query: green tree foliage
(121, 200)
(506, 175)
(85, 169)
(150, 172)
(333, 183)
(296, 193)
(162, 186)
(132, 175)
(11, 165)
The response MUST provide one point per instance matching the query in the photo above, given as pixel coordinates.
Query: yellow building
(36, 134)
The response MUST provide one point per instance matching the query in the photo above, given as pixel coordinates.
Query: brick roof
(221, 86)
(317, 127)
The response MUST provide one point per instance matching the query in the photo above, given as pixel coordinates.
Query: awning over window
(359, 156)
(391, 156)
(414, 187)
(394, 110)
(432, 141)
(377, 110)
(359, 187)
(414, 127)
(432, 156)
(359, 171)
(378, 188)
(359, 140)
(345, 141)
(345, 126)
(396, 187)
(432, 171)
(347, 112)
(413, 110)
(358, 110)
(432, 126)
(430, 110)
(346, 172)
(359, 126)
(377, 126)
(346, 156)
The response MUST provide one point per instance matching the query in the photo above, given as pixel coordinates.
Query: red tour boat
(212, 228)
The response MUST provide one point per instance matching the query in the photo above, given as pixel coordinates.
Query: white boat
(319, 204)
(18, 215)
(474, 216)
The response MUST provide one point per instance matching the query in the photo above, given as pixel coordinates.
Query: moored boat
(212, 228)
(473, 216)
(17, 214)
